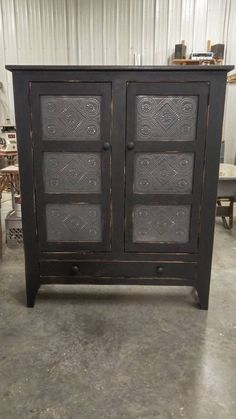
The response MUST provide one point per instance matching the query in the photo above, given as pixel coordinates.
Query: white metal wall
(111, 32)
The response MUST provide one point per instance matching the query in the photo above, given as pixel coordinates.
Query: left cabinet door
(71, 134)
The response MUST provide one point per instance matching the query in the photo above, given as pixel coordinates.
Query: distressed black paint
(116, 258)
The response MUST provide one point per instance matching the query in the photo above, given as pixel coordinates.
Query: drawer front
(118, 269)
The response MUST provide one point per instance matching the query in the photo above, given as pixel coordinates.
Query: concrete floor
(124, 352)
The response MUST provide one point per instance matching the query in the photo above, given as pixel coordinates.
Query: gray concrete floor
(124, 352)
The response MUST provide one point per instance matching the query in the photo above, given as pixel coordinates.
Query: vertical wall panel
(122, 31)
(136, 10)
(47, 31)
(84, 32)
(161, 32)
(4, 101)
(216, 14)
(97, 34)
(147, 31)
(174, 27)
(112, 32)
(60, 31)
(22, 31)
(10, 52)
(188, 16)
(200, 25)
(72, 31)
(34, 23)
(229, 132)
(11, 38)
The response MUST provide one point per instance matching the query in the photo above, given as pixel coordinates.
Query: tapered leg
(31, 292)
(203, 296)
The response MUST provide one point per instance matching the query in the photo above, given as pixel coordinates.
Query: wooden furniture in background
(119, 171)
(180, 55)
(11, 156)
(196, 62)
(231, 78)
(226, 194)
(10, 180)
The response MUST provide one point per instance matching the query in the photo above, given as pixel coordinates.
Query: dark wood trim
(211, 173)
(163, 199)
(166, 146)
(173, 68)
(201, 90)
(117, 281)
(118, 174)
(74, 76)
(59, 198)
(119, 256)
(27, 180)
(40, 145)
(69, 146)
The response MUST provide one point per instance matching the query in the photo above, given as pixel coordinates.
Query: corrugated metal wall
(112, 32)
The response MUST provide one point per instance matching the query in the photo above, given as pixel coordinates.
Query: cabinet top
(120, 67)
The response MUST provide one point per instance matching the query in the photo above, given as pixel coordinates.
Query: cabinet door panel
(161, 223)
(71, 122)
(71, 117)
(166, 118)
(163, 173)
(72, 172)
(165, 142)
(73, 222)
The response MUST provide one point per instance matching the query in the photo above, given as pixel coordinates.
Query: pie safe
(119, 170)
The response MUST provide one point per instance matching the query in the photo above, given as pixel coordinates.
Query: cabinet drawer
(118, 269)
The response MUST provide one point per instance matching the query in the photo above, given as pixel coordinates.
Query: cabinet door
(166, 129)
(71, 150)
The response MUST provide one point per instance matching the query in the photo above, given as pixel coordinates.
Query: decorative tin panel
(72, 172)
(165, 173)
(159, 223)
(166, 118)
(73, 222)
(71, 117)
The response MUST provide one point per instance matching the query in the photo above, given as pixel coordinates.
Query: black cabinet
(119, 170)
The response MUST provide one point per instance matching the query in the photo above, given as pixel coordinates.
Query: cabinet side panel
(25, 151)
(212, 157)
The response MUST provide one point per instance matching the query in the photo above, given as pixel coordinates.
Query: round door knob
(75, 270)
(106, 146)
(160, 270)
(130, 145)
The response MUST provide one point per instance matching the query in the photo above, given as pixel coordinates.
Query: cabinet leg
(31, 293)
(203, 296)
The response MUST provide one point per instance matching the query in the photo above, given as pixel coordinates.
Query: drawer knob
(130, 145)
(74, 269)
(160, 270)
(106, 145)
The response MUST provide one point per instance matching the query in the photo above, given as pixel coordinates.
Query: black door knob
(75, 269)
(160, 270)
(130, 145)
(106, 146)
